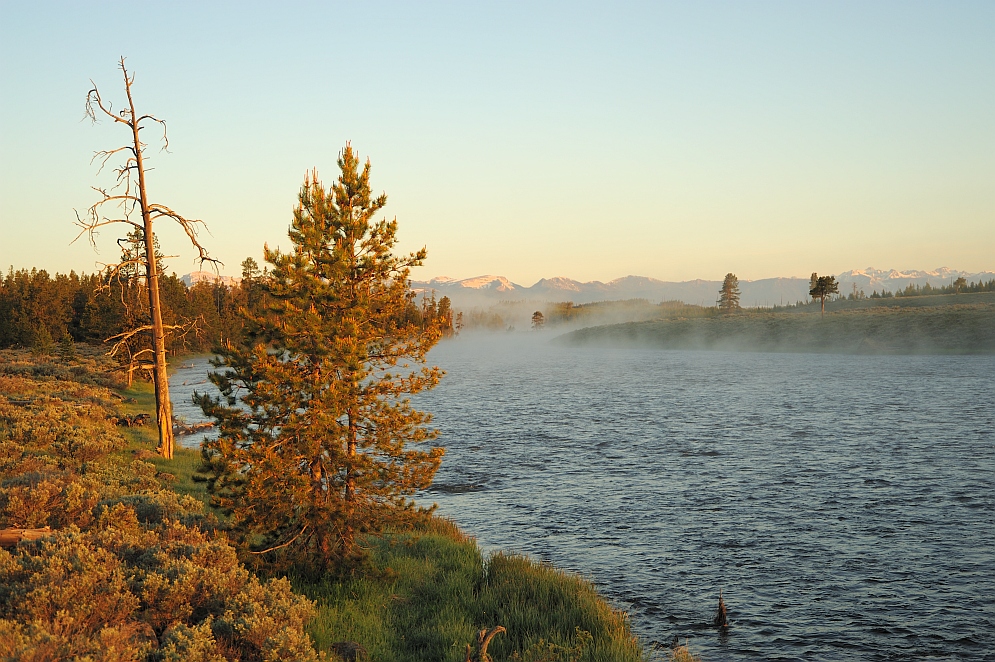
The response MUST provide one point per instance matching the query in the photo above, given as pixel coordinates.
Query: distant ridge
(209, 277)
(486, 290)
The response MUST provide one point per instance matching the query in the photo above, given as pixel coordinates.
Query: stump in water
(721, 620)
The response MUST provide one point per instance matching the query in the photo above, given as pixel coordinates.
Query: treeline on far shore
(943, 329)
(39, 310)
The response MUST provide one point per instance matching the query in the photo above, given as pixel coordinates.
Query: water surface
(845, 505)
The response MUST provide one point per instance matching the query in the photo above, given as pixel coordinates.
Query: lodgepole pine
(317, 441)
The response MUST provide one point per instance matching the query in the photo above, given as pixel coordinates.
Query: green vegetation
(604, 312)
(959, 286)
(729, 294)
(947, 329)
(135, 568)
(822, 287)
(429, 591)
(38, 310)
(127, 568)
(317, 440)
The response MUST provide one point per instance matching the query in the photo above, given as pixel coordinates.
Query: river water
(844, 505)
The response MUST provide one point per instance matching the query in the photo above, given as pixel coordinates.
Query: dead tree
(127, 196)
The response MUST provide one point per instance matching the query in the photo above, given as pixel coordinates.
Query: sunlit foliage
(131, 570)
(316, 432)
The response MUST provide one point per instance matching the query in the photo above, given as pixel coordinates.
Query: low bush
(131, 569)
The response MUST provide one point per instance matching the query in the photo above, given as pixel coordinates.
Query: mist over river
(844, 505)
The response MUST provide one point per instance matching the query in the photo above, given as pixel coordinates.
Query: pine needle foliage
(318, 442)
(729, 294)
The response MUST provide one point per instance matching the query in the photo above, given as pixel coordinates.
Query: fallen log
(136, 421)
(183, 429)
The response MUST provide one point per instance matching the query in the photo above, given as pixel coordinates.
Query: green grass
(140, 398)
(430, 592)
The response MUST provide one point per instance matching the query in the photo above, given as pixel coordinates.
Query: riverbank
(948, 329)
(424, 595)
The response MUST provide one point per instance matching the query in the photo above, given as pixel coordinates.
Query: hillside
(939, 329)
(766, 292)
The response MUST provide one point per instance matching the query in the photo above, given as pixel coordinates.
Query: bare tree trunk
(128, 196)
(163, 406)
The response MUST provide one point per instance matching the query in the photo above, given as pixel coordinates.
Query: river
(844, 505)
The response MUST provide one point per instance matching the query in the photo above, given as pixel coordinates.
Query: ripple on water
(844, 505)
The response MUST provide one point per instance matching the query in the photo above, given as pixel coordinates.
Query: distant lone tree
(538, 320)
(959, 284)
(318, 442)
(823, 287)
(729, 294)
(127, 203)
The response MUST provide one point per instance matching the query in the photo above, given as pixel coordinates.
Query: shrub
(132, 570)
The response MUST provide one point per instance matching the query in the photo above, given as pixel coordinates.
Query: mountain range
(487, 290)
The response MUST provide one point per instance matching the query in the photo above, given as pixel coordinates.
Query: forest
(39, 310)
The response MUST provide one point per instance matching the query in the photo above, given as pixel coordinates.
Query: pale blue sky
(587, 140)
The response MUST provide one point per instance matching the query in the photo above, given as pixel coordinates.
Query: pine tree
(822, 287)
(318, 442)
(729, 294)
(445, 317)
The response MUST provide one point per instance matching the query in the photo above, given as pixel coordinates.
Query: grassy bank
(430, 591)
(423, 596)
(947, 329)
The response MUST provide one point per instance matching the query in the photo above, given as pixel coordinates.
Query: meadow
(907, 325)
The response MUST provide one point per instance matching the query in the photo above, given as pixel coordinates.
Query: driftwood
(180, 429)
(349, 651)
(136, 421)
(10, 537)
(483, 641)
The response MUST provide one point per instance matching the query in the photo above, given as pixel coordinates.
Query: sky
(585, 140)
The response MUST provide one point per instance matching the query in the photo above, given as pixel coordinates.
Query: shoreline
(425, 592)
(949, 330)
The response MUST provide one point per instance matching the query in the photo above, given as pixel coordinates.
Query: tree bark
(350, 487)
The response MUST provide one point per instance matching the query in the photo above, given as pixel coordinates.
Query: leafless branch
(105, 154)
(190, 226)
(289, 542)
(121, 339)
